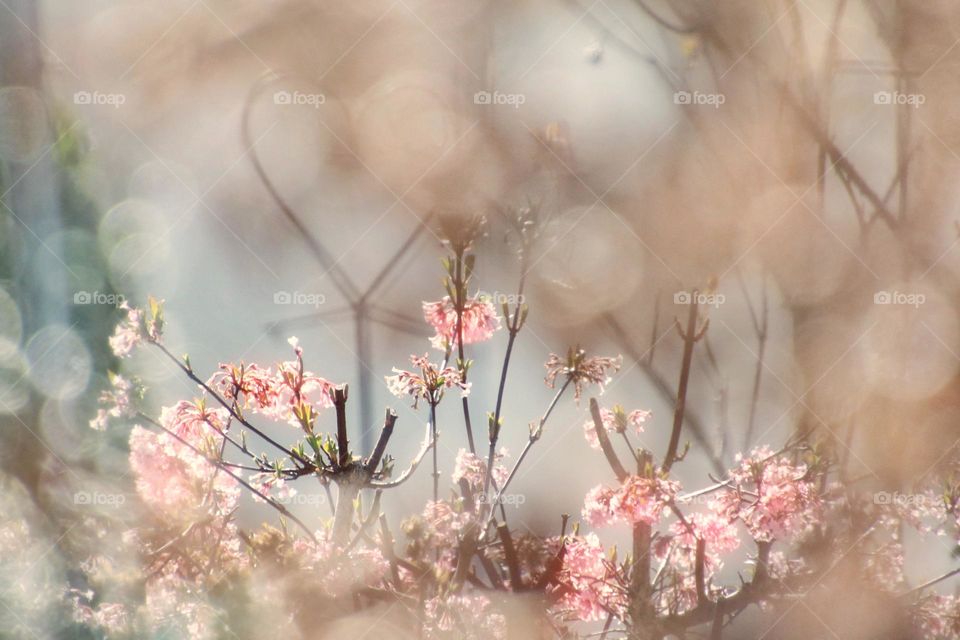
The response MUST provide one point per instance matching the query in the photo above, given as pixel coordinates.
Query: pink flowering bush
(648, 557)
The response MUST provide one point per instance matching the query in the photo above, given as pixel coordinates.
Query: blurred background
(287, 167)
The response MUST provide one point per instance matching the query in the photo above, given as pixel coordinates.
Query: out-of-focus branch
(340, 279)
(605, 444)
(690, 337)
(694, 425)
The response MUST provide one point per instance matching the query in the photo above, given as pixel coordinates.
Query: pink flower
(581, 370)
(642, 499)
(272, 485)
(340, 573)
(129, 333)
(937, 616)
(772, 496)
(588, 587)
(469, 616)
(473, 469)
(596, 506)
(175, 477)
(174, 480)
(615, 421)
(137, 327)
(719, 536)
(274, 394)
(193, 422)
(636, 500)
(112, 617)
(479, 321)
(115, 402)
(428, 384)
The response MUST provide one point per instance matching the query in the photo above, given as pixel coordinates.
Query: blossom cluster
(476, 322)
(637, 499)
(459, 559)
(277, 393)
(770, 495)
(615, 420)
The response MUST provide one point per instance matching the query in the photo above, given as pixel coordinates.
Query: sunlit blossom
(478, 322)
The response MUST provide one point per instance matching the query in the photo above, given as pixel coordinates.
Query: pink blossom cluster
(470, 467)
(468, 616)
(615, 421)
(637, 499)
(771, 495)
(274, 392)
(172, 605)
(427, 385)
(580, 370)
(478, 322)
(136, 327)
(271, 484)
(938, 616)
(589, 586)
(129, 334)
(339, 572)
(172, 475)
(109, 617)
(115, 402)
